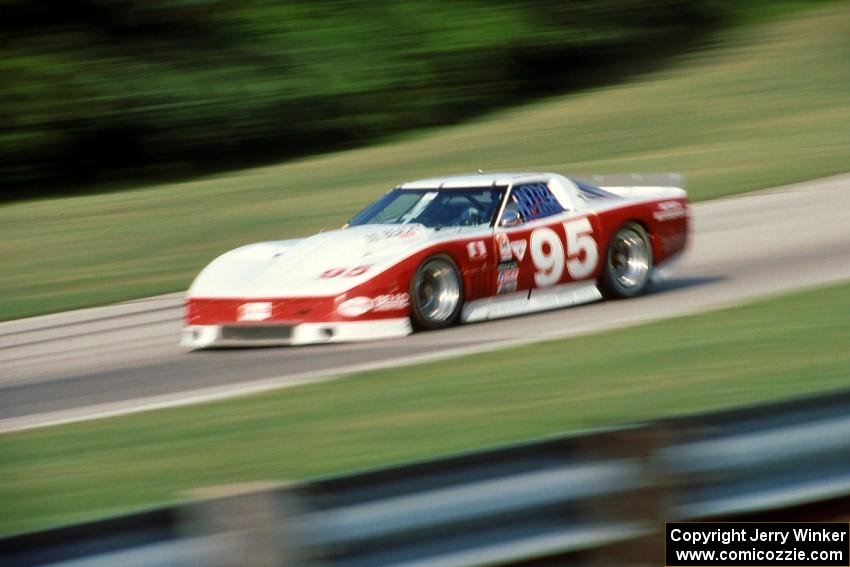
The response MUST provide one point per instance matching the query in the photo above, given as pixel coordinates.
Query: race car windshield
(434, 208)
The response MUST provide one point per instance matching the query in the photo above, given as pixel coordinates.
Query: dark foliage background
(96, 92)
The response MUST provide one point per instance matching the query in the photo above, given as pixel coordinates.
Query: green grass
(779, 348)
(770, 104)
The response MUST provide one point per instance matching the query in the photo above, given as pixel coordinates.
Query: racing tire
(628, 263)
(436, 293)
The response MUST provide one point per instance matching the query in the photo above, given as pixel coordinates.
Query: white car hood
(290, 268)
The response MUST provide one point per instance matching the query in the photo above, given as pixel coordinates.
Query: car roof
(477, 180)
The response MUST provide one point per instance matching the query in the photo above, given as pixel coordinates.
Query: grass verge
(778, 348)
(769, 105)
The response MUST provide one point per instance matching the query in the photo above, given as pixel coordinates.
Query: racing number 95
(549, 259)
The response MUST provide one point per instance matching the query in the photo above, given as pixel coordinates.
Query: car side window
(534, 201)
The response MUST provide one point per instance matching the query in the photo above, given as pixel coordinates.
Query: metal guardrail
(83, 543)
(583, 494)
(761, 459)
(517, 502)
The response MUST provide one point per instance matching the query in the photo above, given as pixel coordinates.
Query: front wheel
(628, 263)
(436, 293)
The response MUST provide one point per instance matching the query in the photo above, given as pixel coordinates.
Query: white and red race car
(432, 253)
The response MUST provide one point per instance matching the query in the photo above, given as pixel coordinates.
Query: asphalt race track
(123, 358)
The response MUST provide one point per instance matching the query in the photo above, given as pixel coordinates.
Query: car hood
(328, 263)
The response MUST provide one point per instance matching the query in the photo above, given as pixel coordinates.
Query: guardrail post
(249, 524)
(646, 506)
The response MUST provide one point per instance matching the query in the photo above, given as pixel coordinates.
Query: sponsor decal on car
(477, 250)
(504, 245)
(392, 302)
(256, 311)
(347, 272)
(357, 306)
(507, 276)
(332, 273)
(518, 247)
(406, 231)
(669, 210)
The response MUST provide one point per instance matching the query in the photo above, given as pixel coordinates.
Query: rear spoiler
(635, 180)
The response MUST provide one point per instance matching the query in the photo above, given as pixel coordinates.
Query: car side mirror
(510, 218)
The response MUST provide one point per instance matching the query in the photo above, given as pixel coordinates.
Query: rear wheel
(628, 263)
(436, 293)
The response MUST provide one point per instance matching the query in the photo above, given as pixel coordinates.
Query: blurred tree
(95, 91)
